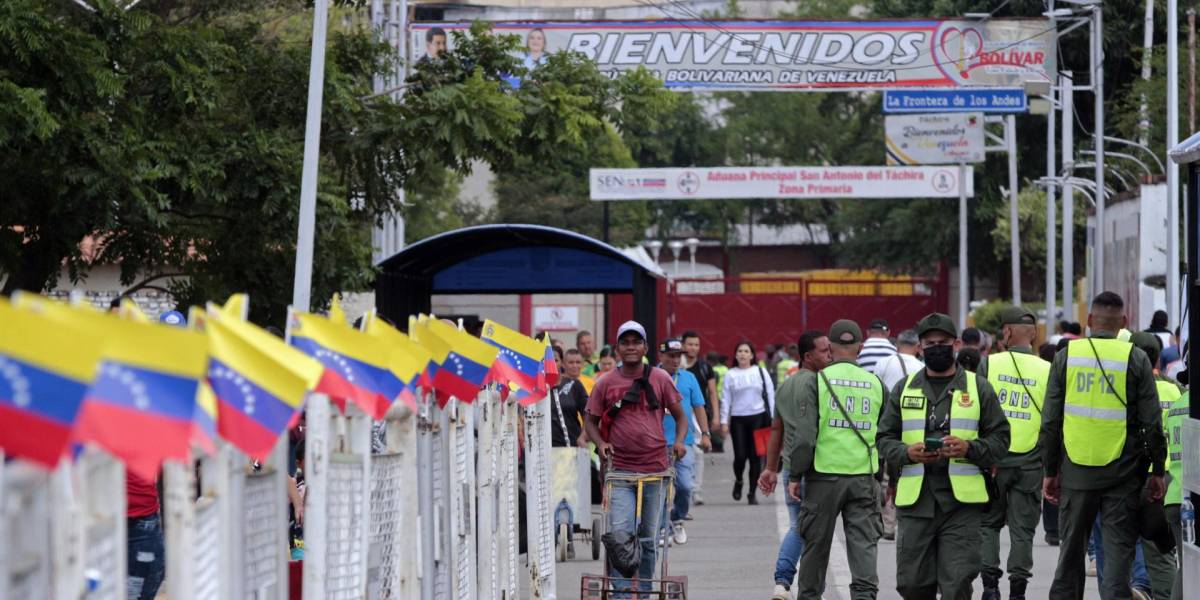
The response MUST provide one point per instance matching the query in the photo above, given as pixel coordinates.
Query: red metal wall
(723, 320)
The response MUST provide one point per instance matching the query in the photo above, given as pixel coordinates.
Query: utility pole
(302, 285)
(1066, 86)
(1051, 213)
(1147, 50)
(1014, 229)
(1098, 142)
(1173, 313)
(964, 276)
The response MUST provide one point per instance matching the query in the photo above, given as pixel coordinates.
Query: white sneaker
(1091, 568)
(679, 534)
(782, 593)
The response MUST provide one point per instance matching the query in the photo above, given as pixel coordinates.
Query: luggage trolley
(572, 494)
(666, 586)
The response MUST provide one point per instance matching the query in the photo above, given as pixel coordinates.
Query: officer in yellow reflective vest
(833, 449)
(941, 427)
(1019, 378)
(1101, 429)
(1175, 416)
(1159, 566)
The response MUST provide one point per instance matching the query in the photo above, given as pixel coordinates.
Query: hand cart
(666, 587)
(571, 494)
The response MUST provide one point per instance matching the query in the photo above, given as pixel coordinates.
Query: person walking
(706, 376)
(749, 402)
(1101, 427)
(670, 352)
(813, 349)
(877, 347)
(625, 420)
(940, 428)
(1160, 566)
(904, 362)
(1019, 378)
(1174, 496)
(834, 451)
(893, 370)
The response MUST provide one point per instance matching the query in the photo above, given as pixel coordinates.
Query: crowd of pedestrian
(937, 437)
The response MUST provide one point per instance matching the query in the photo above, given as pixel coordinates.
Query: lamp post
(1173, 314)
(655, 247)
(676, 247)
(692, 244)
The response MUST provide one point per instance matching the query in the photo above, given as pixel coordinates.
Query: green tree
(171, 136)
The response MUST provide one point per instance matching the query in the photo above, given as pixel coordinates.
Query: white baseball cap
(633, 326)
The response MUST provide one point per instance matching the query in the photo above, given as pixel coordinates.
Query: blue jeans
(792, 545)
(1138, 577)
(622, 508)
(147, 565)
(685, 479)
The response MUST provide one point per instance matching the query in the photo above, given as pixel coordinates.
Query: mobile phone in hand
(932, 445)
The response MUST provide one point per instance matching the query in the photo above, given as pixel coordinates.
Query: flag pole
(302, 285)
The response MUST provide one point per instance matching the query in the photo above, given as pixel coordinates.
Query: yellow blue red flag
(141, 404)
(520, 360)
(468, 361)
(46, 366)
(258, 381)
(356, 364)
(408, 361)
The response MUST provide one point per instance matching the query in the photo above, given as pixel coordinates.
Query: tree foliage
(171, 136)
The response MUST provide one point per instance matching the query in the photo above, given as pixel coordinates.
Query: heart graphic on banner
(960, 46)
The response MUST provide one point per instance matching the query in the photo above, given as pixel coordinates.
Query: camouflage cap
(845, 332)
(936, 322)
(1017, 315)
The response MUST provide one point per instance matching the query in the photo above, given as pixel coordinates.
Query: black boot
(1016, 589)
(751, 499)
(737, 489)
(991, 587)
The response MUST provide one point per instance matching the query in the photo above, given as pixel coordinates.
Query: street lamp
(692, 244)
(655, 247)
(676, 247)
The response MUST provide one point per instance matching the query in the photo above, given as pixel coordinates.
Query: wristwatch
(703, 433)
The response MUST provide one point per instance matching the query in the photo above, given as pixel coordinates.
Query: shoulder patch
(912, 402)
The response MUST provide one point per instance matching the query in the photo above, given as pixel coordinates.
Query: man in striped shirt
(877, 346)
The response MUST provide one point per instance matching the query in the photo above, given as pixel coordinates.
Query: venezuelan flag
(467, 364)
(204, 423)
(258, 381)
(520, 358)
(433, 345)
(237, 306)
(409, 360)
(551, 365)
(141, 404)
(45, 369)
(356, 364)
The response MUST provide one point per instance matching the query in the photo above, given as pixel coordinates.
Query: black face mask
(939, 358)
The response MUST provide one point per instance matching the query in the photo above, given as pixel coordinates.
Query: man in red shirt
(631, 401)
(145, 539)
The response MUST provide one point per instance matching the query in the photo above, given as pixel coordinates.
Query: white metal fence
(433, 514)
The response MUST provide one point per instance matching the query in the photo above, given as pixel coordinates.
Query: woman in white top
(749, 402)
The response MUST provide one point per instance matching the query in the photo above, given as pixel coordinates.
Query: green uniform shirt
(985, 452)
(1140, 394)
(1028, 460)
(789, 409)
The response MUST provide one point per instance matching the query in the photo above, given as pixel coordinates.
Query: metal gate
(772, 310)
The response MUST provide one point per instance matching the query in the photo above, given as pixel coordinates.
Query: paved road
(732, 548)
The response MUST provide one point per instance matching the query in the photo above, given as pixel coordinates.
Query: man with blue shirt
(670, 352)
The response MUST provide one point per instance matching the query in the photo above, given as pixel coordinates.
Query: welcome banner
(789, 55)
